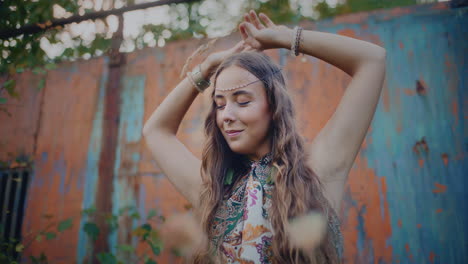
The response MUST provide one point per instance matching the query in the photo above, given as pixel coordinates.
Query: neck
(259, 154)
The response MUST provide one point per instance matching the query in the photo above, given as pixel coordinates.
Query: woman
(256, 173)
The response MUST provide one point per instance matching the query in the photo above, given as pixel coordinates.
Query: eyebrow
(236, 93)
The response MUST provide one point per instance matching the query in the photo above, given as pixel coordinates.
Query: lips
(233, 133)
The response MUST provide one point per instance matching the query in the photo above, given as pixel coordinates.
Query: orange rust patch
(349, 231)
(431, 257)
(439, 210)
(440, 188)
(455, 113)
(369, 191)
(407, 247)
(418, 225)
(356, 18)
(440, 6)
(347, 32)
(401, 45)
(444, 157)
(399, 11)
(421, 163)
(399, 126)
(409, 92)
(399, 223)
(455, 109)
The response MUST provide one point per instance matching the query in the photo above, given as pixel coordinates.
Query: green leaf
(228, 179)
(51, 66)
(19, 247)
(39, 238)
(92, 230)
(146, 226)
(19, 70)
(64, 225)
(135, 215)
(38, 70)
(41, 84)
(126, 248)
(152, 213)
(176, 252)
(126, 208)
(3, 100)
(113, 222)
(150, 261)
(106, 258)
(155, 247)
(50, 235)
(10, 86)
(68, 52)
(89, 211)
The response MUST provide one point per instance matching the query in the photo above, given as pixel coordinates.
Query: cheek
(257, 119)
(218, 121)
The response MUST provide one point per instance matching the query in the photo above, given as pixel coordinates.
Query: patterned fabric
(241, 224)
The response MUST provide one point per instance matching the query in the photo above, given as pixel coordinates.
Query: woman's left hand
(258, 35)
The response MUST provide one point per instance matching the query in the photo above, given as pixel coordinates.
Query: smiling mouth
(233, 133)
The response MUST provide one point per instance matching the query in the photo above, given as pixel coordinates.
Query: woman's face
(242, 114)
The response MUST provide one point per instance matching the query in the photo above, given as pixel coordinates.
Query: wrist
(206, 68)
(284, 37)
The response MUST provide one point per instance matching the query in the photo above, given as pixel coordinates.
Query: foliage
(145, 233)
(24, 52)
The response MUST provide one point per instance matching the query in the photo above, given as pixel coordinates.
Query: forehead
(234, 76)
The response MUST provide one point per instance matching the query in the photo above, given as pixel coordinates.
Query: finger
(246, 18)
(240, 46)
(255, 20)
(249, 29)
(266, 20)
(243, 31)
(249, 48)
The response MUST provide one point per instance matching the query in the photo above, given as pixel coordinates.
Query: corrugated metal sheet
(405, 194)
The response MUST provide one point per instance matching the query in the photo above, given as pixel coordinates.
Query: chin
(239, 148)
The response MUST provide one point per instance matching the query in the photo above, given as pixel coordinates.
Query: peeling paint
(405, 192)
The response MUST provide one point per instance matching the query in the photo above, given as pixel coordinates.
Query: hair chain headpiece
(247, 84)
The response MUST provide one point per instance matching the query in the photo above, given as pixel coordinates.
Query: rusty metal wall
(404, 200)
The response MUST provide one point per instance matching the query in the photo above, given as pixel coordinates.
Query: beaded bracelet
(296, 41)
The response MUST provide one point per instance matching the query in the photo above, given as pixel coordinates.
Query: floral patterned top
(241, 223)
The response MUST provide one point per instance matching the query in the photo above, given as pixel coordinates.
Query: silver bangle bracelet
(196, 78)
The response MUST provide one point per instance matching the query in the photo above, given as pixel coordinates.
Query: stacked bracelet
(196, 78)
(296, 41)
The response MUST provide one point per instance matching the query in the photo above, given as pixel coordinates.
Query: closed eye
(245, 103)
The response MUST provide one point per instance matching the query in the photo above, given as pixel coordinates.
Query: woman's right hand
(216, 58)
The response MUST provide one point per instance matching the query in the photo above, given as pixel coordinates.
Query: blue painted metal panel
(92, 166)
(426, 189)
(128, 151)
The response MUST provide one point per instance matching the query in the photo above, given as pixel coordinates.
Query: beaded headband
(247, 84)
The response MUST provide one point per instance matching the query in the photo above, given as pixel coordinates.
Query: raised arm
(161, 128)
(333, 151)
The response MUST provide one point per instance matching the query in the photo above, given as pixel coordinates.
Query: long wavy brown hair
(297, 190)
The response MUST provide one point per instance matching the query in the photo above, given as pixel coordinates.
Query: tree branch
(38, 27)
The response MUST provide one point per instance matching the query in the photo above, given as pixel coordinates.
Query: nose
(228, 114)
